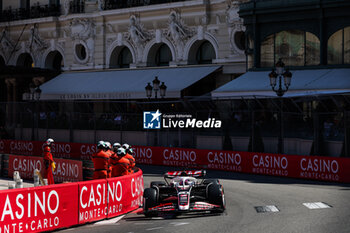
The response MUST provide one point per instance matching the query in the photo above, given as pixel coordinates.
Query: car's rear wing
(193, 173)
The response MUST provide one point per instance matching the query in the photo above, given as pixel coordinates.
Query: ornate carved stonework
(234, 24)
(178, 33)
(101, 4)
(35, 41)
(137, 36)
(66, 7)
(82, 29)
(36, 44)
(6, 44)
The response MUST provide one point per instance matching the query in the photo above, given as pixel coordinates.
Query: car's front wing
(172, 207)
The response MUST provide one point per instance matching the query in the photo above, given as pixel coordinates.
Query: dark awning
(121, 84)
(304, 83)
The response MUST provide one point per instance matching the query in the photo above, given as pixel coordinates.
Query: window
(163, 56)
(54, 61)
(80, 51)
(205, 53)
(295, 47)
(25, 60)
(338, 48)
(240, 40)
(125, 58)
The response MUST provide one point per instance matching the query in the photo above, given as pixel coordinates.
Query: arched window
(205, 53)
(163, 56)
(121, 57)
(338, 48)
(54, 61)
(25, 60)
(125, 58)
(295, 47)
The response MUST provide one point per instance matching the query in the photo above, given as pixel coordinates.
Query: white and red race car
(183, 192)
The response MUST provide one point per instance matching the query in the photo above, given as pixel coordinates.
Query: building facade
(305, 34)
(71, 35)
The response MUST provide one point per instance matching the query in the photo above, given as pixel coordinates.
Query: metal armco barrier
(306, 167)
(47, 208)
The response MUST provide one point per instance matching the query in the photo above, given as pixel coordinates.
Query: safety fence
(296, 166)
(320, 121)
(47, 208)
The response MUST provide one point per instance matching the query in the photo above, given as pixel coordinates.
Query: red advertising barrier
(124, 194)
(59, 149)
(52, 207)
(306, 167)
(92, 200)
(100, 199)
(39, 209)
(66, 170)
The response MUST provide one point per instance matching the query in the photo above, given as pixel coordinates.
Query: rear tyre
(157, 183)
(149, 201)
(216, 196)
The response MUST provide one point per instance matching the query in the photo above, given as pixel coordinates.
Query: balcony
(77, 6)
(35, 11)
(119, 4)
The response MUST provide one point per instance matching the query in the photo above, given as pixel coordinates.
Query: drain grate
(317, 205)
(267, 208)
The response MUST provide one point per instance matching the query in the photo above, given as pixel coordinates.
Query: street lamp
(280, 72)
(149, 89)
(156, 87)
(162, 90)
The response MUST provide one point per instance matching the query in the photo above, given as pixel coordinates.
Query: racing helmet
(108, 145)
(49, 141)
(121, 152)
(126, 146)
(116, 145)
(100, 145)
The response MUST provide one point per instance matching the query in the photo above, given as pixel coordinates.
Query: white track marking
(316, 205)
(112, 221)
(179, 223)
(272, 208)
(154, 228)
(266, 209)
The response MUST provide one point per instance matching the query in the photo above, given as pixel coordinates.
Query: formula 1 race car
(183, 192)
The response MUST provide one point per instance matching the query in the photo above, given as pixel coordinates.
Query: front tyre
(149, 201)
(216, 196)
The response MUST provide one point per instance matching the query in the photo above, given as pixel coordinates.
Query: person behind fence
(130, 157)
(120, 164)
(49, 163)
(101, 161)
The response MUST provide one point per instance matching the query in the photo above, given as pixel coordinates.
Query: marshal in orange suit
(49, 163)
